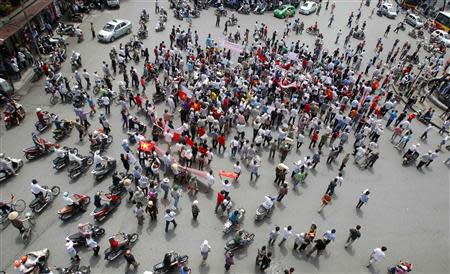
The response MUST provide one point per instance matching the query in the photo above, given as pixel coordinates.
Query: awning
(19, 21)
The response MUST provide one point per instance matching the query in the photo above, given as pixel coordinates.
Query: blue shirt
(393, 116)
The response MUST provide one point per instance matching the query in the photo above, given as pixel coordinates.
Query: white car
(113, 3)
(414, 20)
(440, 36)
(308, 7)
(388, 10)
(114, 29)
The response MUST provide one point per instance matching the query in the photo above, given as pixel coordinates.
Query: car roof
(309, 3)
(117, 21)
(287, 6)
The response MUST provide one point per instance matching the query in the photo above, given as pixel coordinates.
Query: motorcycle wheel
(28, 156)
(100, 231)
(65, 217)
(54, 99)
(90, 161)
(110, 139)
(56, 190)
(8, 125)
(19, 206)
(134, 237)
(74, 174)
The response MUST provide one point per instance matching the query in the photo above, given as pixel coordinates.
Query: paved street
(408, 211)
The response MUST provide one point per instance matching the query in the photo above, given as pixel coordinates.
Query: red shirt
(315, 137)
(220, 198)
(221, 139)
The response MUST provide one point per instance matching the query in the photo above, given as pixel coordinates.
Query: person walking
(353, 235)
(228, 260)
(170, 218)
(220, 198)
(282, 192)
(261, 252)
(363, 199)
(338, 36)
(87, 78)
(176, 194)
(195, 210)
(139, 213)
(165, 187)
(326, 199)
(274, 235)
(376, 255)
(433, 157)
(265, 261)
(331, 186)
(92, 244)
(319, 247)
(131, 260)
(205, 248)
(285, 234)
(425, 158)
(344, 161)
(71, 250)
(388, 29)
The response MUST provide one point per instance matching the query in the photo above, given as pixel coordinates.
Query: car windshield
(108, 27)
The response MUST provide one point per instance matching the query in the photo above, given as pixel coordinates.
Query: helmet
(16, 263)
(24, 258)
(80, 226)
(38, 109)
(66, 194)
(95, 132)
(2, 155)
(34, 181)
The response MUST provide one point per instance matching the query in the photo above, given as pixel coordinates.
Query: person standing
(92, 30)
(220, 198)
(331, 186)
(151, 210)
(353, 235)
(282, 192)
(339, 34)
(195, 210)
(165, 187)
(71, 250)
(86, 77)
(131, 260)
(170, 218)
(326, 199)
(286, 233)
(228, 260)
(139, 213)
(274, 235)
(376, 255)
(363, 199)
(205, 248)
(265, 261)
(92, 244)
(425, 158)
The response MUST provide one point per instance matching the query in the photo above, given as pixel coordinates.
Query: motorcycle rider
(38, 141)
(98, 197)
(234, 217)
(71, 203)
(144, 15)
(12, 108)
(5, 165)
(98, 160)
(22, 266)
(73, 158)
(41, 117)
(37, 190)
(116, 244)
(98, 138)
(268, 203)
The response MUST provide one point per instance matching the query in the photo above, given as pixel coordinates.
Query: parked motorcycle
(94, 230)
(231, 21)
(102, 212)
(101, 172)
(245, 8)
(261, 8)
(246, 238)
(34, 152)
(16, 165)
(111, 254)
(11, 121)
(74, 269)
(228, 226)
(38, 204)
(313, 31)
(65, 29)
(68, 212)
(160, 26)
(171, 262)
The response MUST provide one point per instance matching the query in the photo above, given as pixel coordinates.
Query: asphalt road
(408, 211)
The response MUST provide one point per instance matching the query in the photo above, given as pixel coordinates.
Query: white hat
(195, 202)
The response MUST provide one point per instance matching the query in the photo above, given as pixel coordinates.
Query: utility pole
(31, 30)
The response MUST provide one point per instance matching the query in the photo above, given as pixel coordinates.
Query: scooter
(102, 146)
(160, 26)
(59, 134)
(247, 238)
(410, 158)
(65, 29)
(94, 230)
(228, 226)
(16, 165)
(111, 255)
(262, 212)
(38, 204)
(34, 152)
(62, 162)
(175, 262)
(101, 213)
(142, 34)
(68, 212)
(76, 170)
(36, 257)
(221, 11)
(48, 119)
(101, 172)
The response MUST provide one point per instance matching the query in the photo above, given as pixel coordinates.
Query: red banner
(228, 174)
(146, 146)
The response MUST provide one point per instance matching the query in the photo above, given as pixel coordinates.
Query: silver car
(308, 7)
(114, 29)
(414, 20)
(388, 10)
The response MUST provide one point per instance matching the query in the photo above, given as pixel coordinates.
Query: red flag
(201, 131)
(188, 141)
(203, 150)
(146, 146)
(261, 56)
(176, 137)
(229, 174)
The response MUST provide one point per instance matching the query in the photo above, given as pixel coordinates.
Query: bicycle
(14, 205)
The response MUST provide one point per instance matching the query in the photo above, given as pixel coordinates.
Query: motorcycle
(75, 64)
(102, 145)
(142, 34)
(247, 238)
(244, 9)
(410, 158)
(160, 26)
(65, 29)
(36, 258)
(48, 119)
(178, 13)
(62, 162)
(228, 226)
(68, 212)
(175, 262)
(16, 165)
(145, 17)
(79, 240)
(34, 152)
(59, 134)
(111, 254)
(101, 213)
(76, 17)
(221, 11)
(313, 31)
(77, 169)
(38, 204)
(231, 22)
(100, 172)
(10, 121)
(195, 13)
(359, 35)
(37, 69)
(262, 212)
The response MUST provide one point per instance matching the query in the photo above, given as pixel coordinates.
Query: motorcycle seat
(65, 209)
(98, 209)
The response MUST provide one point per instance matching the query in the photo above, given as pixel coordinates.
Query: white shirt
(170, 216)
(68, 201)
(210, 179)
(268, 203)
(377, 254)
(36, 188)
(226, 187)
(237, 169)
(286, 233)
(91, 243)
